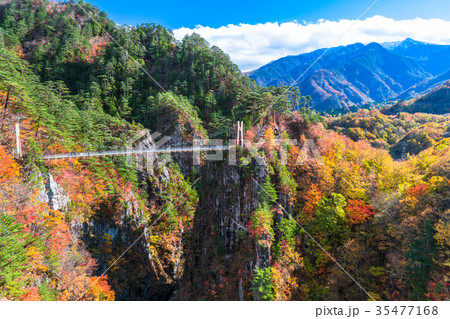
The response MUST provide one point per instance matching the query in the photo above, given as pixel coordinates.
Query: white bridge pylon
(240, 134)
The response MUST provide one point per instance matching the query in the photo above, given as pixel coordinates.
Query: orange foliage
(294, 154)
(413, 194)
(58, 230)
(250, 135)
(83, 189)
(358, 211)
(19, 50)
(9, 168)
(32, 294)
(312, 198)
(417, 191)
(269, 135)
(97, 45)
(100, 290)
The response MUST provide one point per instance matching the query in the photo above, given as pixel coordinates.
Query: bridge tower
(18, 145)
(240, 134)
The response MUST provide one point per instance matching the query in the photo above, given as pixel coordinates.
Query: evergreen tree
(13, 257)
(421, 256)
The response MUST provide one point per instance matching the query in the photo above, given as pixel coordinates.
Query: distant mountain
(437, 101)
(434, 57)
(425, 86)
(358, 74)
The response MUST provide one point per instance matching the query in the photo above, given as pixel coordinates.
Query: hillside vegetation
(401, 134)
(437, 101)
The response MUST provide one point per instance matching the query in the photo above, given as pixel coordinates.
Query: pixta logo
(144, 149)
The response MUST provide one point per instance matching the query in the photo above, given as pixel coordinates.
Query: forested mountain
(161, 228)
(436, 102)
(71, 46)
(358, 74)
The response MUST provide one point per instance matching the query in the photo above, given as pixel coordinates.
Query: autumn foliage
(358, 211)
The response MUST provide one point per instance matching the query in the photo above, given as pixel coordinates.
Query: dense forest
(402, 134)
(275, 226)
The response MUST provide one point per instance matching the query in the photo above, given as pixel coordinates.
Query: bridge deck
(138, 151)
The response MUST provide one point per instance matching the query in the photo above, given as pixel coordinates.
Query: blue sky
(254, 33)
(175, 14)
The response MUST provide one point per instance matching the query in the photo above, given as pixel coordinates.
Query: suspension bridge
(140, 151)
(154, 150)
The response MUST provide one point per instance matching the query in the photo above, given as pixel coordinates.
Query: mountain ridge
(360, 73)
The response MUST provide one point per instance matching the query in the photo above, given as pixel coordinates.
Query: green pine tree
(13, 257)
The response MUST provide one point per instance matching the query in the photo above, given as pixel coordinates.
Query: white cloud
(251, 46)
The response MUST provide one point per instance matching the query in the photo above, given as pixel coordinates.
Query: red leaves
(32, 294)
(28, 215)
(358, 211)
(417, 190)
(438, 291)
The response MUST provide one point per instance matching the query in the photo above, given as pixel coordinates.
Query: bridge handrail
(138, 152)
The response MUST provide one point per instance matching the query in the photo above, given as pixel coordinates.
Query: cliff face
(53, 194)
(221, 255)
(133, 244)
(152, 267)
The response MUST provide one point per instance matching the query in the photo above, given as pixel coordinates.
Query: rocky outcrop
(221, 253)
(53, 194)
(140, 274)
(118, 242)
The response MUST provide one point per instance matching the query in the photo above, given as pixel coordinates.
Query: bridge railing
(138, 151)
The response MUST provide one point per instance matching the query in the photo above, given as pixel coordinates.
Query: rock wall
(221, 256)
(53, 194)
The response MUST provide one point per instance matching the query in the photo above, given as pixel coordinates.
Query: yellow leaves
(154, 240)
(36, 260)
(32, 251)
(399, 176)
(107, 237)
(269, 135)
(375, 296)
(52, 217)
(153, 251)
(350, 182)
